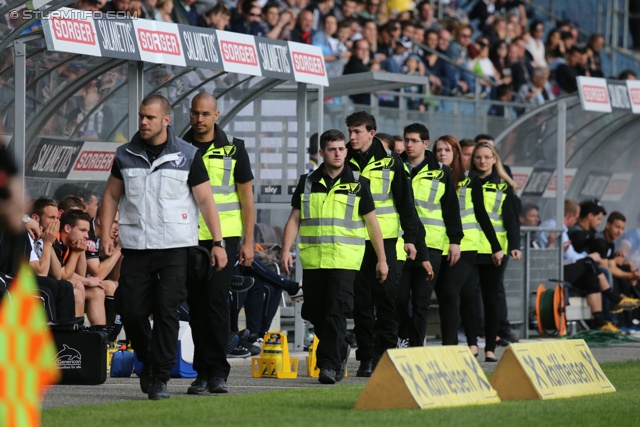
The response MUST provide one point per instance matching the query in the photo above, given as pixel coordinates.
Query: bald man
(229, 169)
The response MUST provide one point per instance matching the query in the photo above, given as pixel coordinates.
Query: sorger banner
(158, 42)
(93, 162)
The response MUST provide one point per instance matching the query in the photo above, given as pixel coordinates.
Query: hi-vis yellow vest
(380, 174)
(470, 225)
(428, 190)
(221, 166)
(332, 231)
(494, 195)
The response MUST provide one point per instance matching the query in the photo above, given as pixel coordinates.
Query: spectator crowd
(498, 45)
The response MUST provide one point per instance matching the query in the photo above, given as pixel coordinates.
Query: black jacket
(400, 186)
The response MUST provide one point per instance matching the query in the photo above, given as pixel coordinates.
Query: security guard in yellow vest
(375, 314)
(501, 205)
(390, 144)
(334, 211)
(437, 206)
(227, 163)
(456, 286)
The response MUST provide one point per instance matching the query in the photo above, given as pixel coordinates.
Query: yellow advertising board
(427, 377)
(549, 370)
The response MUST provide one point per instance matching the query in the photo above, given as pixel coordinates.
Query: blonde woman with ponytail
(500, 202)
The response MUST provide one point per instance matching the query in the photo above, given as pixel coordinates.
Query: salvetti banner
(117, 39)
(53, 158)
(81, 32)
(200, 46)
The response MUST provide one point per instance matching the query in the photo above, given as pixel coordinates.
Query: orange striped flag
(27, 353)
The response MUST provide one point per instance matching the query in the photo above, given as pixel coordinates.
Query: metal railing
(538, 266)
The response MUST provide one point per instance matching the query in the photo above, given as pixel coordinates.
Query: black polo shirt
(242, 172)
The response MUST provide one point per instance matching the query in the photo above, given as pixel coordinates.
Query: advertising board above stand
(606, 95)
(98, 34)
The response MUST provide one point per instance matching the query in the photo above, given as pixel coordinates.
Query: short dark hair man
(231, 180)
(529, 215)
(393, 198)
(583, 239)
(70, 249)
(624, 272)
(160, 182)
(334, 210)
(43, 260)
(438, 208)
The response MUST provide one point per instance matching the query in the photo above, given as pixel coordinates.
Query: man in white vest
(159, 182)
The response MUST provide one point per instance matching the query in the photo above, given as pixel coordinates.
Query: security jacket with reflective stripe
(157, 208)
(221, 159)
(445, 211)
(332, 227)
(399, 189)
(508, 214)
(473, 216)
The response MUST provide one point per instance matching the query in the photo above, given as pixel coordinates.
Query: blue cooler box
(184, 359)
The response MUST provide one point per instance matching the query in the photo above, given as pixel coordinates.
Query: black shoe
(243, 336)
(327, 376)
(351, 339)
(291, 287)
(254, 344)
(113, 331)
(158, 390)
(199, 386)
(239, 353)
(254, 349)
(241, 283)
(365, 369)
(490, 359)
(343, 367)
(253, 337)
(145, 379)
(237, 339)
(217, 385)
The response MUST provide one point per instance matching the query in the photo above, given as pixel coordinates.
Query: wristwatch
(220, 243)
(26, 219)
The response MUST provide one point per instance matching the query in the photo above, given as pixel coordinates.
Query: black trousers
(470, 307)
(583, 275)
(209, 316)
(153, 282)
(490, 277)
(414, 297)
(451, 281)
(62, 302)
(328, 300)
(375, 315)
(504, 327)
